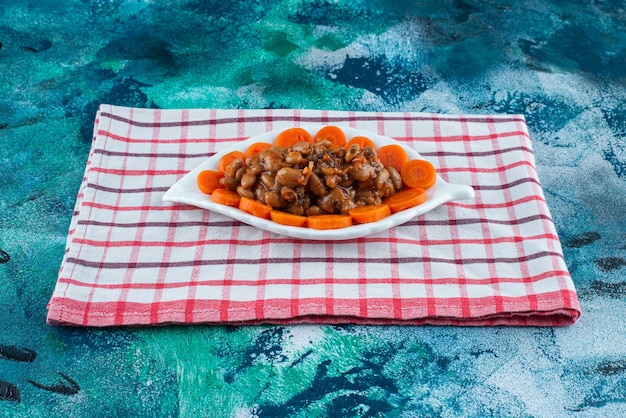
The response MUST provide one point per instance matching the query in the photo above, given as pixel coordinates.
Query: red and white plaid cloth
(132, 259)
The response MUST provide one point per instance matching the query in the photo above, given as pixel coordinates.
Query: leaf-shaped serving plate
(186, 191)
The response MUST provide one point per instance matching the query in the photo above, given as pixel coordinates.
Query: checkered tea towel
(133, 259)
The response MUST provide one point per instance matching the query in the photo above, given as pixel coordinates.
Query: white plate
(186, 191)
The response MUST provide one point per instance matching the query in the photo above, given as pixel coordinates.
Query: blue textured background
(562, 65)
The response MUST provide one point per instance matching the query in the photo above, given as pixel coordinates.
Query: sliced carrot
(209, 180)
(255, 148)
(363, 142)
(332, 133)
(254, 207)
(225, 197)
(329, 221)
(418, 174)
(393, 155)
(369, 213)
(292, 136)
(285, 218)
(228, 158)
(404, 199)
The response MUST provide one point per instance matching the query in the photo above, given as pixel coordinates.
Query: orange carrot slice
(254, 207)
(332, 133)
(228, 158)
(285, 218)
(363, 142)
(225, 197)
(329, 221)
(369, 213)
(209, 180)
(418, 174)
(404, 199)
(393, 156)
(292, 136)
(255, 148)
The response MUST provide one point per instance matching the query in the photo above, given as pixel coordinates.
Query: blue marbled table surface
(561, 65)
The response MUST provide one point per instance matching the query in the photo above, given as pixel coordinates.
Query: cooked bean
(366, 185)
(326, 170)
(315, 210)
(294, 158)
(272, 199)
(362, 172)
(339, 152)
(352, 152)
(255, 169)
(271, 160)
(259, 192)
(250, 161)
(248, 180)
(229, 183)
(254, 165)
(290, 177)
(331, 201)
(295, 209)
(322, 145)
(381, 179)
(370, 153)
(302, 147)
(239, 174)
(245, 192)
(232, 167)
(368, 197)
(395, 178)
(346, 182)
(332, 181)
(346, 205)
(268, 180)
(387, 190)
